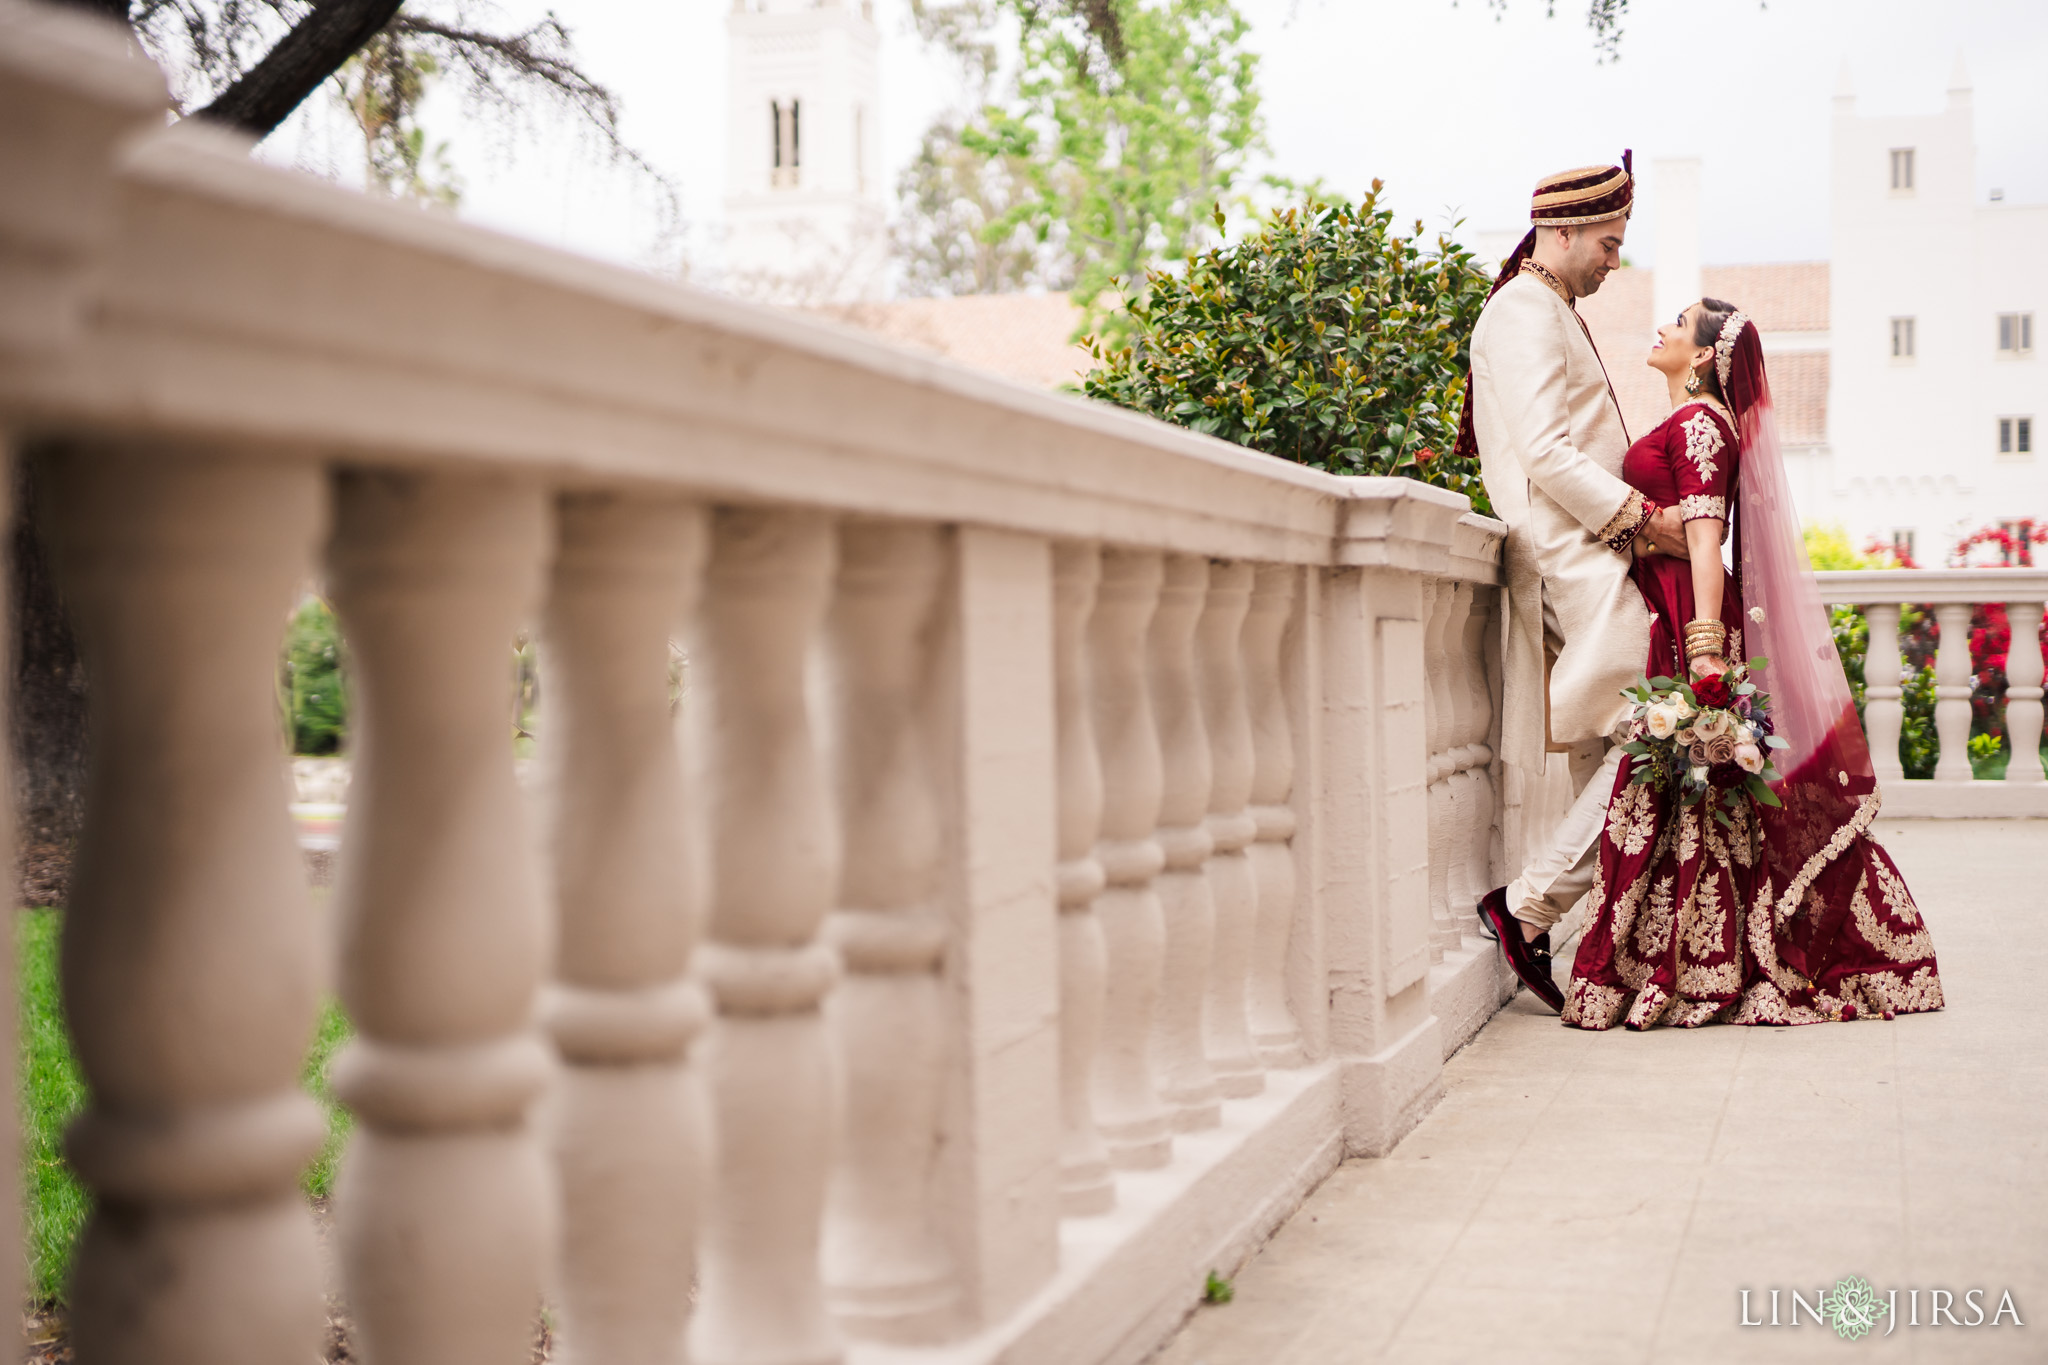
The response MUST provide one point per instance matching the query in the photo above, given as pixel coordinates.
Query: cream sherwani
(1551, 443)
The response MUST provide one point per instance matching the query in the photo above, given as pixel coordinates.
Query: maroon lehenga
(1795, 915)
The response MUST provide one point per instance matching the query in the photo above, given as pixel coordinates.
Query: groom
(1542, 417)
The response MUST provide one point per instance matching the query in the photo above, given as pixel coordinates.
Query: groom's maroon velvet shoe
(1530, 965)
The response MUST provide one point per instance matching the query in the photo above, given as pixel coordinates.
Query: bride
(1794, 914)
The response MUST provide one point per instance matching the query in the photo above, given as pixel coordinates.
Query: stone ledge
(1926, 799)
(1387, 1094)
(1128, 1279)
(1468, 988)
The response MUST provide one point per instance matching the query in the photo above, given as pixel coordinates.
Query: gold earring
(1692, 383)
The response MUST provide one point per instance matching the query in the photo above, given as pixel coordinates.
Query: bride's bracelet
(1705, 639)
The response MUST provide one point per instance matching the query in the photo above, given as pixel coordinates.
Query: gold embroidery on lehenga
(1852, 828)
(1633, 971)
(1693, 1013)
(1651, 1002)
(1592, 1005)
(1703, 923)
(1702, 442)
(1688, 834)
(1911, 946)
(1653, 932)
(1898, 901)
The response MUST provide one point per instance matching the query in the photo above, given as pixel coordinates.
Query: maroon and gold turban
(1590, 194)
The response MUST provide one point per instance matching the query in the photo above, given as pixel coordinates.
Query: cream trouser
(1556, 877)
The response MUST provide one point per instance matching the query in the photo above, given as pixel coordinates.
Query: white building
(1937, 292)
(804, 203)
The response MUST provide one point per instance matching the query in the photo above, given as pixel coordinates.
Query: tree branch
(314, 49)
(117, 10)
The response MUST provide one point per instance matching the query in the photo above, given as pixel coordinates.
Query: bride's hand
(1709, 665)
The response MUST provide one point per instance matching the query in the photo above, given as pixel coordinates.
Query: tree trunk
(46, 713)
(314, 49)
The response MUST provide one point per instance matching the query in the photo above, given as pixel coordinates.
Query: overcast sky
(1457, 107)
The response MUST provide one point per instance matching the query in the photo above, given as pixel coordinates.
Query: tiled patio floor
(1589, 1198)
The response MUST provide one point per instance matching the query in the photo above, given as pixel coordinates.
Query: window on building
(788, 145)
(2015, 435)
(2015, 333)
(1902, 547)
(860, 154)
(1902, 169)
(1902, 339)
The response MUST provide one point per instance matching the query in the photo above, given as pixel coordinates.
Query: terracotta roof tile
(1024, 337)
(1778, 298)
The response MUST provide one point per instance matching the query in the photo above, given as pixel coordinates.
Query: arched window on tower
(785, 136)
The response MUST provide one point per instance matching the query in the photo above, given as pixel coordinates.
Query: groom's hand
(1666, 533)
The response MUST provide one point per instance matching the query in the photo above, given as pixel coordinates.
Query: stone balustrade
(1954, 596)
(1064, 858)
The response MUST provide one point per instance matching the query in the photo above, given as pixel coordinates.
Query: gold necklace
(1542, 273)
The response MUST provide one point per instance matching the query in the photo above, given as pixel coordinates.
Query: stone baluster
(887, 1273)
(626, 1116)
(1437, 595)
(1128, 1113)
(1952, 685)
(1086, 1186)
(190, 961)
(442, 1210)
(1472, 866)
(1226, 1025)
(1274, 1030)
(2023, 692)
(1186, 1082)
(1883, 711)
(774, 854)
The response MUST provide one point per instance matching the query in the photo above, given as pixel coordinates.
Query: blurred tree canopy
(1098, 150)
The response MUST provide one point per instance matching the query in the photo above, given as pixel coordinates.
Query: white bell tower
(803, 204)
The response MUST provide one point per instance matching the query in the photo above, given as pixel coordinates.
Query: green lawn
(53, 1091)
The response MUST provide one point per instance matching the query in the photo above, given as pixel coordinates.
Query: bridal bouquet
(1705, 740)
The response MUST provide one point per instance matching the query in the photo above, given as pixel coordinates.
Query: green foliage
(1322, 338)
(1125, 123)
(316, 691)
(54, 1204)
(1919, 745)
(1829, 547)
(1216, 1289)
(1852, 644)
(333, 1031)
(53, 1091)
(385, 82)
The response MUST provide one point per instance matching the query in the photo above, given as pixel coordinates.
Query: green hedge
(1322, 338)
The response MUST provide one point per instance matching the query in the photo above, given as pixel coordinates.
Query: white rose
(1713, 724)
(1699, 774)
(1749, 758)
(1662, 721)
(1682, 707)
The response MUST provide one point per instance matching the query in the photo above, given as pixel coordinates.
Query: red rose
(1712, 692)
